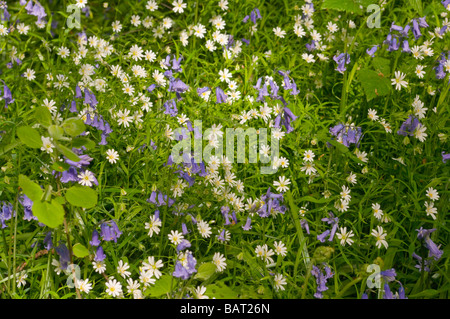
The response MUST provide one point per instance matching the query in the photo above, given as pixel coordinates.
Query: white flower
(419, 132)
(308, 156)
(153, 226)
(86, 178)
(419, 71)
(280, 248)
(175, 237)
(112, 156)
(178, 6)
(225, 75)
(345, 236)
(99, 266)
(200, 292)
(279, 281)
(204, 229)
(83, 285)
(81, 3)
(219, 261)
(113, 288)
(398, 81)
(431, 210)
(153, 266)
(278, 32)
(432, 194)
(380, 236)
(47, 144)
(122, 269)
(377, 212)
(123, 118)
(29, 74)
(146, 277)
(281, 184)
(372, 114)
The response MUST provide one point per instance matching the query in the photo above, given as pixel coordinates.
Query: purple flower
(389, 275)
(95, 241)
(110, 231)
(396, 27)
(185, 272)
(416, 29)
(99, 254)
(171, 108)
(247, 225)
(434, 251)
(64, 255)
(220, 95)
(7, 96)
(27, 203)
(183, 245)
(372, 51)
(321, 280)
(445, 157)
(48, 244)
(408, 126)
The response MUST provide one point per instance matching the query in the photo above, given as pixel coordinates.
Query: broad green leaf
(67, 152)
(162, 286)
(29, 136)
(374, 85)
(345, 5)
(220, 291)
(43, 116)
(30, 188)
(73, 126)
(56, 132)
(49, 213)
(60, 166)
(205, 271)
(77, 142)
(81, 196)
(80, 251)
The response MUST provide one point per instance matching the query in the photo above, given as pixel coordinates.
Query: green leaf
(205, 271)
(344, 5)
(81, 196)
(162, 286)
(80, 251)
(29, 136)
(220, 291)
(56, 132)
(73, 126)
(43, 116)
(77, 142)
(67, 152)
(30, 188)
(60, 166)
(374, 85)
(49, 213)
(417, 5)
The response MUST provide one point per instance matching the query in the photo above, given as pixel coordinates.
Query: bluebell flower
(64, 255)
(95, 241)
(183, 245)
(99, 254)
(445, 157)
(321, 280)
(171, 108)
(372, 51)
(434, 251)
(408, 126)
(248, 224)
(48, 244)
(27, 203)
(7, 96)
(221, 97)
(109, 231)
